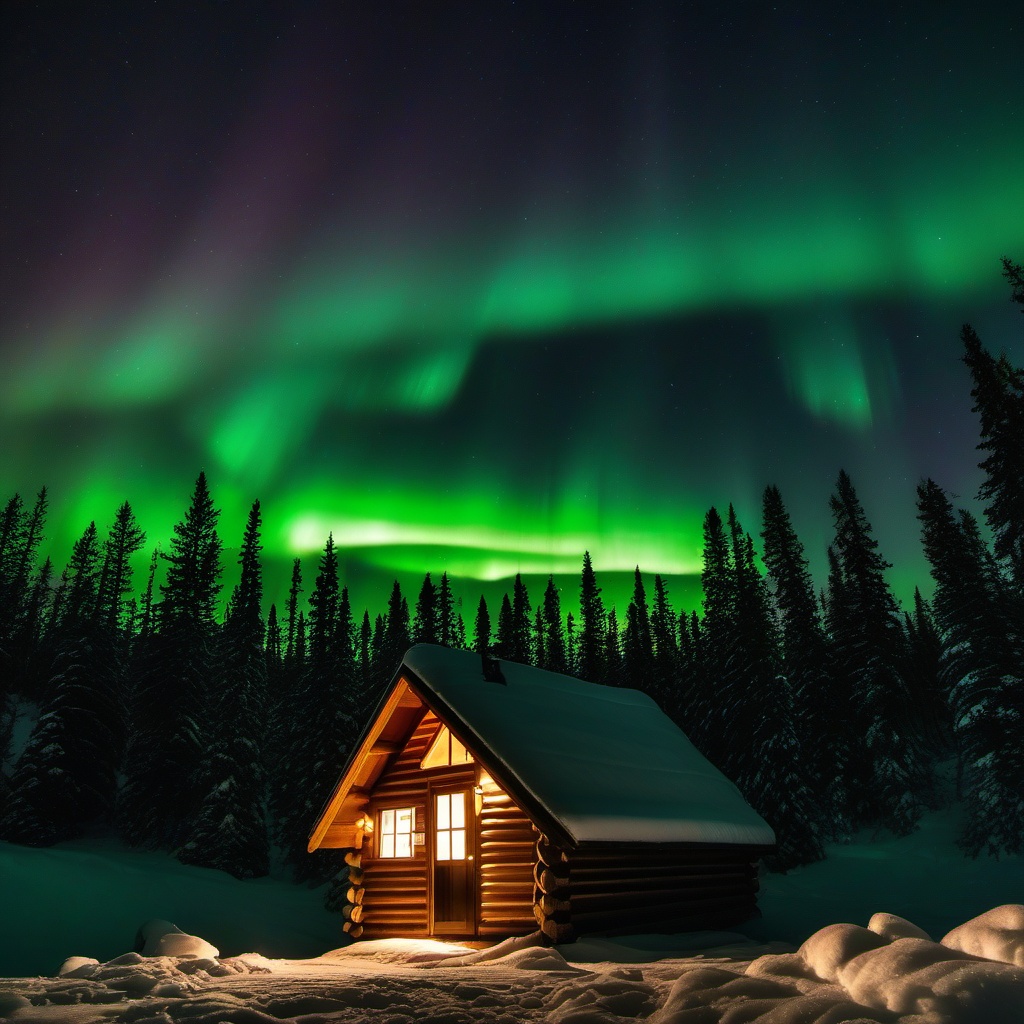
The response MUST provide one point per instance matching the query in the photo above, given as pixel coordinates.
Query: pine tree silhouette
(425, 629)
(555, 659)
(590, 661)
(638, 643)
(230, 830)
(887, 770)
(159, 796)
(482, 628)
(521, 646)
(820, 707)
(447, 626)
(980, 668)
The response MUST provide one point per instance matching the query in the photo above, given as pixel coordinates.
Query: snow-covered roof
(606, 763)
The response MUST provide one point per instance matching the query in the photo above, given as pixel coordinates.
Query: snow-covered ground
(281, 960)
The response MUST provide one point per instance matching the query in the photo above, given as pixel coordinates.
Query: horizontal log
(687, 912)
(508, 891)
(507, 912)
(394, 868)
(496, 848)
(640, 854)
(502, 929)
(409, 885)
(385, 747)
(507, 835)
(352, 913)
(354, 930)
(639, 869)
(644, 901)
(500, 869)
(355, 894)
(353, 858)
(658, 883)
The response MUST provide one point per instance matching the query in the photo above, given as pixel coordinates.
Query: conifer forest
(137, 705)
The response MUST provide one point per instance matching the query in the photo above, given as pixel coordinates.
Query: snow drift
(890, 971)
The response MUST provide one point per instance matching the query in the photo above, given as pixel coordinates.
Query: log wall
(621, 888)
(507, 851)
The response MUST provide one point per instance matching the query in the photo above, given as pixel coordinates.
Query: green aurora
(489, 372)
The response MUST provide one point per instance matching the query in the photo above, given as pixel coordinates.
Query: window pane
(459, 755)
(403, 820)
(387, 822)
(459, 844)
(403, 844)
(444, 849)
(458, 810)
(387, 846)
(443, 819)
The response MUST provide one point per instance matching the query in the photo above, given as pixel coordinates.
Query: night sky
(478, 286)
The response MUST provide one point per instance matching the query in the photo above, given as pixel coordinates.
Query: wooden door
(453, 868)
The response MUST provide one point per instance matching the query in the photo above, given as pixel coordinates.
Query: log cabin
(486, 799)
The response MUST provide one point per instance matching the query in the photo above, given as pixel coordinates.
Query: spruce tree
(323, 706)
(887, 771)
(664, 649)
(998, 394)
(820, 707)
(159, 797)
(590, 657)
(980, 669)
(571, 645)
(764, 756)
(66, 775)
(521, 645)
(293, 611)
(504, 639)
(637, 642)
(447, 626)
(538, 655)
(365, 652)
(115, 584)
(555, 659)
(425, 628)
(230, 829)
(21, 533)
(923, 676)
(614, 669)
(482, 628)
(396, 640)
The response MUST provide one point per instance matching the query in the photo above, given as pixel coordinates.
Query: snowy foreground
(889, 971)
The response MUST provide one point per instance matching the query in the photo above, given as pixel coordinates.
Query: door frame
(439, 787)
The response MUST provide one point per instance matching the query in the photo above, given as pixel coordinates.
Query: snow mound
(890, 927)
(887, 973)
(890, 969)
(161, 938)
(998, 934)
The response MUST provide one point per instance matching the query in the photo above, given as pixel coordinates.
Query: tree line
(218, 736)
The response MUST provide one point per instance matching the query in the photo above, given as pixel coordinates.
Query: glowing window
(446, 750)
(397, 825)
(450, 826)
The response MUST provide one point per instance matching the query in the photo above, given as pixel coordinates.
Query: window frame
(383, 834)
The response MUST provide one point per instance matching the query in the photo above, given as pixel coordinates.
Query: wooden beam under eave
(356, 765)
